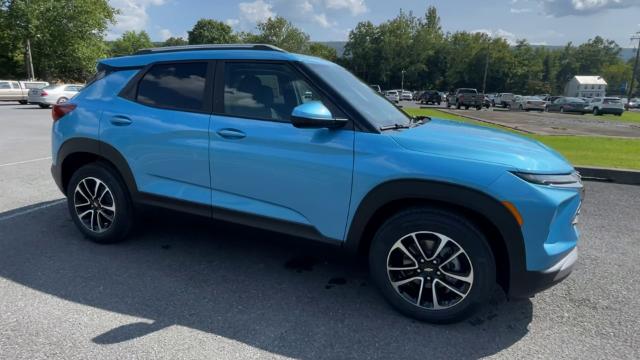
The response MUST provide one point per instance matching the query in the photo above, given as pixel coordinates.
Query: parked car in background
(392, 95)
(444, 211)
(550, 99)
(569, 104)
(606, 105)
(406, 95)
(376, 88)
(53, 94)
(11, 90)
(465, 97)
(504, 100)
(528, 103)
(633, 103)
(430, 97)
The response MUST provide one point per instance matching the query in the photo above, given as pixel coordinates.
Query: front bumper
(528, 283)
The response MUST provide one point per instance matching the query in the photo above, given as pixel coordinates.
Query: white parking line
(37, 208)
(26, 161)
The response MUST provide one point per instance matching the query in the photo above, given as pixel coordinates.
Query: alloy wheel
(430, 270)
(94, 204)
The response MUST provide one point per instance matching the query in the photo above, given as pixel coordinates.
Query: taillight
(60, 110)
(44, 93)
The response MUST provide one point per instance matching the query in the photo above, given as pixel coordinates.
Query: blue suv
(296, 144)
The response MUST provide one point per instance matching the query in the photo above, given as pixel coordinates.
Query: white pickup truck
(11, 90)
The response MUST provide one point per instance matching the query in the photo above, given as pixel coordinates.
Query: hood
(459, 140)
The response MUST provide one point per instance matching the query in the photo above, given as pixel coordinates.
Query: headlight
(560, 180)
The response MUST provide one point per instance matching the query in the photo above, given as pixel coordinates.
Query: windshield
(374, 107)
(575, 100)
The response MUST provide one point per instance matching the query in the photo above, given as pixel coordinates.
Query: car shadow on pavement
(281, 294)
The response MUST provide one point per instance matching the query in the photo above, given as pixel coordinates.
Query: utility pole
(30, 72)
(484, 79)
(402, 83)
(635, 66)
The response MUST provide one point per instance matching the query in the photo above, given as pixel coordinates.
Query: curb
(618, 176)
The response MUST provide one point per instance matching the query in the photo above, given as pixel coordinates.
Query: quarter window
(179, 86)
(265, 90)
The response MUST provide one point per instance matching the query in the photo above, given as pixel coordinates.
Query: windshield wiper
(420, 119)
(395, 127)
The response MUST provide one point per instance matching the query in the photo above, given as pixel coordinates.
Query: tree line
(67, 37)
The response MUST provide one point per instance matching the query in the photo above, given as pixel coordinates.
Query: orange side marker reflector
(514, 211)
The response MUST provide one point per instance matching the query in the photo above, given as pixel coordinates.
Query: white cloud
(520, 11)
(257, 11)
(165, 34)
(133, 15)
(356, 7)
(321, 19)
(232, 22)
(559, 8)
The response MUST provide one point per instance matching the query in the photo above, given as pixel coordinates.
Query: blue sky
(550, 22)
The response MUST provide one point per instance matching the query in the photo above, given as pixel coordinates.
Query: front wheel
(596, 112)
(22, 102)
(432, 265)
(99, 203)
(62, 100)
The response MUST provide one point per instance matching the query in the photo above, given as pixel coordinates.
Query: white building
(586, 86)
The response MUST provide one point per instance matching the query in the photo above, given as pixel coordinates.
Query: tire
(466, 107)
(619, 114)
(562, 110)
(596, 112)
(22, 102)
(458, 105)
(44, 106)
(438, 103)
(478, 107)
(62, 100)
(432, 227)
(520, 108)
(88, 184)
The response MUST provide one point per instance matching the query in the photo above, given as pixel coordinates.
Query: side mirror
(314, 115)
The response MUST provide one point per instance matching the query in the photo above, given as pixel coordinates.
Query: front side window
(179, 86)
(15, 85)
(267, 91)
(376, 109)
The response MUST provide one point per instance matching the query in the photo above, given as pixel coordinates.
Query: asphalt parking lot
(183, 287)
(546, 123)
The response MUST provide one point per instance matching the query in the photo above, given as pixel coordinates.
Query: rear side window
(5, 85)
(179, 86)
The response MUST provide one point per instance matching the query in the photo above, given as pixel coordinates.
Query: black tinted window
(264, 91)
(178, 86)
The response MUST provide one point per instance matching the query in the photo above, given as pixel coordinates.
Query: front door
(264, 167)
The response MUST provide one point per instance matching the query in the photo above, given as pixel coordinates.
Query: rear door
(265, 170)
(161, 127)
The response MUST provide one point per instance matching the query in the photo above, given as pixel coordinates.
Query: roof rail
(166, 49)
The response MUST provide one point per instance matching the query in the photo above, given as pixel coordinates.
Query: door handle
(231, 134)
(120, 120)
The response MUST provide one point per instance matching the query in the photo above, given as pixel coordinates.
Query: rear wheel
(562, 109)
(22, 102)
(44, 106)
(596, 112)
(62, 100)
(99, 204)
(432, 265)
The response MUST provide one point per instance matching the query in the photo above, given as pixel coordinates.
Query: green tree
(282, 33)
(323, 51)
(130, 42)
(66, 36)
(208, 31)
(175, 41)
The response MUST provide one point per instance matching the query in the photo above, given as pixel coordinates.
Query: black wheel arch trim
(99, 149)
(443, 193)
